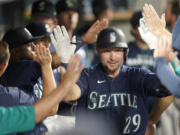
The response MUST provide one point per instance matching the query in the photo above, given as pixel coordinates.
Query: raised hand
(73, 70)
(62, 44)
(42, 54)
(146, 35)
(91, 35)
(154, 23)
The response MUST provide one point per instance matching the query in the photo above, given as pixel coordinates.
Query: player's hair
(175, 8)
(4, 52)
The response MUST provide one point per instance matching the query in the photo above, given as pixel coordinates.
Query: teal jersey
(176, 68)
(16, 119)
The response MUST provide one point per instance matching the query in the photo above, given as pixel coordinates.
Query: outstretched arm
(163, 54)
(65, 49)
(75, 92)
(91, 35)
(44, 106)
(43, 57)
(23, 118)
(159, 107)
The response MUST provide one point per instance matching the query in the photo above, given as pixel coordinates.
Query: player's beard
(112, 70)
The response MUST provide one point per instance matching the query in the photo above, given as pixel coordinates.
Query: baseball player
(23, 72)
(113, 90)
(22, 118)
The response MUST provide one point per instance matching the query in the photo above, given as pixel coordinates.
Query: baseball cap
(135, 19)
(18, 37)
(44, 8)
(39, 29)
(111, 38)
(64, 5)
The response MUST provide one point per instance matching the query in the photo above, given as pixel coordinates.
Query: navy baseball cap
(44, 8)
(65, 5)
(18, 37)
(39, 29)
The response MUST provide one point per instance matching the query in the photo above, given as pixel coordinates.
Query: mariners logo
(69, 3)
(112, 37)
(42, 6)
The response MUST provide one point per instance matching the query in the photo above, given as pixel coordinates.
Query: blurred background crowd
(18, 12)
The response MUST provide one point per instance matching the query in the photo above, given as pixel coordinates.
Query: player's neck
(112, 74)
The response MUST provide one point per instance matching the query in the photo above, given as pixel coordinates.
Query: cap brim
(43, 36)
(31, 40)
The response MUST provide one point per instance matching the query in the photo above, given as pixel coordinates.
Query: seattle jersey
(13, 96)
(140, 58)
(23, 74)
(121, 100)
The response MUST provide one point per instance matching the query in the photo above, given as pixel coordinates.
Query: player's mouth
(112, 63)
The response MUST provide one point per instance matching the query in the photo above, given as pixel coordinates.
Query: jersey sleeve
(148, 83)
(9, 96)
(16, 119)
(167, 77)
(152, 86)
(83, 81)
(27, 98)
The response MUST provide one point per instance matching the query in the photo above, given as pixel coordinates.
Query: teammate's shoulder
(129, 69)
(2, 88)
(132, 44)
(92, 69)
(23, 63)
(8, 89)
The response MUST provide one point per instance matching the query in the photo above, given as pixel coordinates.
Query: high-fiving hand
(154, 23)
(91, 35)
(62, 43)
(146, 35)
(73, 70)
(41, 54)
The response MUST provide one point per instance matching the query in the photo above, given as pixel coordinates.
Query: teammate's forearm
(44, 106)
(169, 79)
(49, 84)
(74, 94)
(48, 80)
(159, 107)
